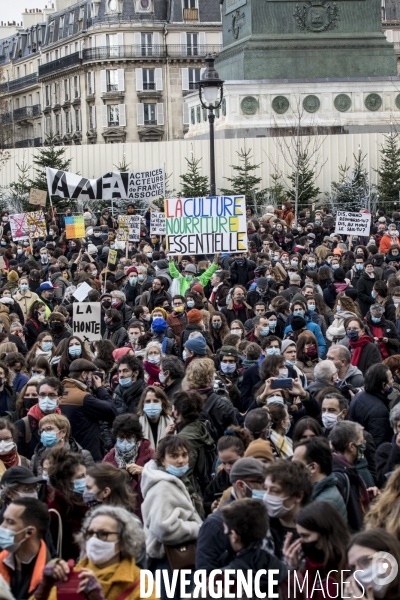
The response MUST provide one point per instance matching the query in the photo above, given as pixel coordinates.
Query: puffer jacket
(61, 285)
(169, 516)
(199, 439)
(71, 446)
(372, 412)
(327, 490)
(336, 330)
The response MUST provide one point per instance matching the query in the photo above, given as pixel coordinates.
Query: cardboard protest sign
(36, 222)
(75, 227)
(157, 223)
(206, 225)
(353, 223)
(19, 227)
(131, 185)
(134, 228)
(82, 291)
(37, 197)
(128, 228)
(112, 257)
(86, 320)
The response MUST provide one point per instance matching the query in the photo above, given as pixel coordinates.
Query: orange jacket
(285, 215)
(37, 575)
(387, 242)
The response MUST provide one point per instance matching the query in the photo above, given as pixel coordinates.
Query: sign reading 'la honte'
(206, 225)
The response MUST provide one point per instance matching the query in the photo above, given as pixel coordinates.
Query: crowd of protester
(239, 412)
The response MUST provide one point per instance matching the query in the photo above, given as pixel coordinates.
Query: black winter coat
(370, 355)
(389, 331)
(364, 289)
(387, 459)
(222, 413)
(372, 412)
(126, 399)
(241, 275)
(251, 377)
(253, 297)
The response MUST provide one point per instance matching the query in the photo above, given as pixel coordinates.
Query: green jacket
(327, 490)
(184, 284)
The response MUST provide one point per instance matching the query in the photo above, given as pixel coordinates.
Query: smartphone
(218, 495)
(99, 374)
(279, 384)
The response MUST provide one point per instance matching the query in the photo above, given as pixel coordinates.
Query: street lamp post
(211, 93)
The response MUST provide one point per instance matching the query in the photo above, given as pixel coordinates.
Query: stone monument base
(273, 107)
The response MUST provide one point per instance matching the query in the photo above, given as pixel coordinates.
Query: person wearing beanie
(261, 450)
(338, 285)
(158, 289)
(298, 325)
(194, 347)
(189, 273)
(12, 281)
(195, 322)
(262, 292)
(164, 335)
(85, 407)
(213, 548)
(131, 287)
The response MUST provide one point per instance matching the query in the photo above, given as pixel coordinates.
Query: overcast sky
(11, 10)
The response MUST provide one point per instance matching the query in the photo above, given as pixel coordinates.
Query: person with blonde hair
(199, 377)
(151, 363)
(385, 509)
(343, 309)
(55, 432)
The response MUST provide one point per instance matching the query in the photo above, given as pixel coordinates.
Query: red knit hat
(194, 316)
(198, 288)
(132, 270)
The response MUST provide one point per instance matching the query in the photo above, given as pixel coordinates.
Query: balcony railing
(27, 112)
(190, 14)
(59, 64)
(143, 51)
(6, 118)
(18, 84)
(30, 143)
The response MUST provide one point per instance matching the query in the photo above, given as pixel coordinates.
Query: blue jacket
(316, 330)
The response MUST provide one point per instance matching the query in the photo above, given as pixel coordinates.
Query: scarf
(152, 371)
(246, 363)
(11, 459)
(377, 331)
(48, 355)
(283, 445)
(340, 286)
(126, 458)
(357, 348)
(237, 307)
(37, 414)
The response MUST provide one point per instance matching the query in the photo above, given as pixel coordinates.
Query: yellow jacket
(114, 580)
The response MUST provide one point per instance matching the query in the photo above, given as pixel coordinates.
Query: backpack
(204, 478)
(207, 418)
(343, 485)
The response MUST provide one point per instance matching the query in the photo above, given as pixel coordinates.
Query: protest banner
(36, 222)
(112, 257)
(157, 223)
(75, 227)
(351, 223)
(86, 321)
(19, 227)
(131, 185)
(128, 228)
(37, 197)
(134, 228)
(206, 225)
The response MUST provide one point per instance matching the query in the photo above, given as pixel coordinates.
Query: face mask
(237, 332)
(190, 303)
(147, 317)
(217, 324)
(367, 577)
(352, 335)
(75, 350)
(79, 485)
(360, 451)
(47, 405)
(107, 304)
(393, 233)
(178, 310)
(311, 307)
(290, 363)
(184, 355)
(6, 447)
(153, 410)
(162, 378)
(26, 244)
(37, 375)
(125, 445)
(99, 552)
(3, 243)
(373, 294)
(283, 373)
(279, 228)
(272, 351)
(26, 495)
(29, 402)
(294, 263)
(311, 551)
(272, 325)
(298, 313)
(389, 391)
(359, 267)
(132, 280)
(47, 346)
(375, 319)
(228, 368)
(45, 476)
(89, 497)
(257, 494)
(311, 265)
(154, 359)
(56, 327)
(19, 251)
(329, 420)
(311, 351)
(188, 277)
(140, 277)
(112, 246)
(335, 266)
(177, 471)
(49, 439)
(149, 254)
(43, 258)
(7, 538)
(277, 399)
(125, 381)
(275, 506)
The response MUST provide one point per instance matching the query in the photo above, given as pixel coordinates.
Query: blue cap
(197, 345)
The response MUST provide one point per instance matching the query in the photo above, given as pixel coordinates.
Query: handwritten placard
(37, 197)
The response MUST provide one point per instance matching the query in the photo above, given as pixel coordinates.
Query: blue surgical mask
(294, 263)
(272, 325)
(311, 265)
(334, 267)
(290, 363)
(24, 287)
(298, 313)
(177, 471)
(190, 303)
(184, 355)
(47, 405)
(359, 266)
(188, 277)
(75, 350)
(228, 368)
(80, 485)
(264, 331)
(125, 381)
(37, 375)
(272, 351)
(373, 294)
(49, 439)
(132, 280)
(152, 410)
(140, 277)
(311, 307)
(154, 359)
(375, 319)
(268, 277)
(217, 324)
(7, 539)
(47, 346)
(125, 445)
(258, 494)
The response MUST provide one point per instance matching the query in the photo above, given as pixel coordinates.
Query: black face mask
(29, 402)
(240, 261)
(310, 550)
(106, 304)
(55, 326)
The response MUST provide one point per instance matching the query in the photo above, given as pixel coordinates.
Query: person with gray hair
(111, 541)
(388, 454)
(347, 374)
(118, 302)
(383, 331)
(325, 375)
(348, 446)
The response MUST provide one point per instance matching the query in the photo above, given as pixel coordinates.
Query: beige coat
(25, 301)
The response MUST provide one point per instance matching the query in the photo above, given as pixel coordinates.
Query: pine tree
(194, 185)
(303, 180)
(244, 182)
(53, 157)
(18, 192)
(353, 191)
(276, 192)
(389, 173)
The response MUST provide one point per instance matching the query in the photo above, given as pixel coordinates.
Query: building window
(150, 114)
(192, 41)
(147, 44)
(189, 3)
(47, 95)
(68, 122)
(67, 95)
(77, 93)
(48, 126)
(58, 124)
(51, 32)
(194, 77)
(71, 22)
(77, 120)
(112, 5)
(92, 117)
(90, 83)
(148, 79)
(112, 81)
(113, 115)
(56, 93)
(61, 27)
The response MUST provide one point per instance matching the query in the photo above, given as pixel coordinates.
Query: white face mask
(329, 420)
(6, 447)
(283, 373)
(99, 552)
(275, 506)
(237, 332)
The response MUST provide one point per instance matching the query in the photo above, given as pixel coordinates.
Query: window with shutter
(159, 80)
(156, 44)
(138, 43)
(140, 114)
(122, 115)
(103, 81)
(185, 113)
(139, 80)
(202, 43)
(121, 80)
(149, 79)
(185, 79)
(104, 115)
(183, 43)
(194, 77)
(160, 113)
